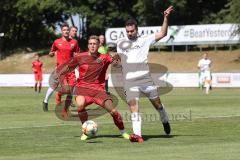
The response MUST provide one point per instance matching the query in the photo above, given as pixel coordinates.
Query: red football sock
(117, 118)
(58, 98)
(35, 87)
(39, 87)
(68, 101)
(82, 114)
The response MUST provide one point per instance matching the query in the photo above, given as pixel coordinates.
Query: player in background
(73, 35)
(90, 85)
(64, 48)
(136, 73)
(73, 32)
(37, 70)
(103, 49)
(205, 77)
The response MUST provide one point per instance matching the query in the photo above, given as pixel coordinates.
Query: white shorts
(206, 75)
(135, 88)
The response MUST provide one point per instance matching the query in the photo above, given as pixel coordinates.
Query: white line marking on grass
(212, 117)
(55, 125)
(39, 126)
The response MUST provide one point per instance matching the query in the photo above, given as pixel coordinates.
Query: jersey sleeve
(109, 59)
(69, 66)
(54, 47)
(150, 39)
(77, 49)
(119, 50)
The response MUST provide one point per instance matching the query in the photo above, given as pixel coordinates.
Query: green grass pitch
(204, 127)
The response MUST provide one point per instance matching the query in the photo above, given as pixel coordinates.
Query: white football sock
(207, 88)
(122, 131)
(48, 94)
(136, 123)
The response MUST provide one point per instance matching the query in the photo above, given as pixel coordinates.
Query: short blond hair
(94, 37)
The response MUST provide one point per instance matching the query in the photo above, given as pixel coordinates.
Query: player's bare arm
(116, 60)
(164, 28)
(51, 54)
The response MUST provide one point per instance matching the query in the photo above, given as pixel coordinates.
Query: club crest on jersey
(98, 60)
(72, 45)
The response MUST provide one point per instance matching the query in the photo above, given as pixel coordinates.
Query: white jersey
(134, 57)
(204, 65)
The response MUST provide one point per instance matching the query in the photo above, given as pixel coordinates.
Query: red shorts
(69, 79)
(38, 76)
(67, 82)
(92, 95)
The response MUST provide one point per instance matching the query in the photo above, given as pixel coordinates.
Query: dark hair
(93, 37)
(74, 27)
(131, 22)
(64, 25)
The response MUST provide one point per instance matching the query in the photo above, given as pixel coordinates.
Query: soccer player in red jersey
(91, 83)
(64, 48)
(37, 70)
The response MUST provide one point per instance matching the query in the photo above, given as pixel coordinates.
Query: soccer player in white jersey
(204, 65)
(133, 52)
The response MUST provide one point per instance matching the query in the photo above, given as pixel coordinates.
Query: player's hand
(51, 54)
(75, 54)
(168, 11)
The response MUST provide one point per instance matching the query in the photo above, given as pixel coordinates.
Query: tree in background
(32, 22)
(27, 22)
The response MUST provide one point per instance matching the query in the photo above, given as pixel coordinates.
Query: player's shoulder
(124, 39)
(58, 40)
(73, 41)
(202, 60)
(105, 55)
(146, 36)
(83, 53)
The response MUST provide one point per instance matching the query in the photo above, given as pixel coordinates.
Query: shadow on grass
(145, 137)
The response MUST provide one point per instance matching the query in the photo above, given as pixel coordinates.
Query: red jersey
(37, 67)
(64, 49)
(92, 70)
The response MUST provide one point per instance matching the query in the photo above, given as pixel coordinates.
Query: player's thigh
(36, 77)
(132, 93)
(103, 100)
(150, 90)
(202, 77)
(40, 77)
(208, 76)
(80, 100)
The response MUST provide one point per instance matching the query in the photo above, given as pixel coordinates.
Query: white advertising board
(185, 35)
(20, 80)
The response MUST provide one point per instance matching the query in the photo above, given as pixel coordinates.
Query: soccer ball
(89, 128)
